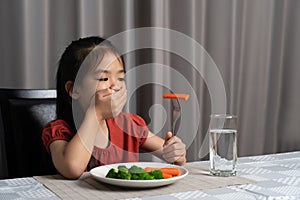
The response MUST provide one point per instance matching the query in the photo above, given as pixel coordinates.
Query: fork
(176, 109)
(176, 113)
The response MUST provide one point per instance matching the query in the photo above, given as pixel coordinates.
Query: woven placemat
(88, 188)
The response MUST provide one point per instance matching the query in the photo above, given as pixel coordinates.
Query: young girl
(91, 77)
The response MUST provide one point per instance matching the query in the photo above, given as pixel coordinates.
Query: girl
(91, 77)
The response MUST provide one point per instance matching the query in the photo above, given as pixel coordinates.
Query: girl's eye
(102, 79)
(121, 79)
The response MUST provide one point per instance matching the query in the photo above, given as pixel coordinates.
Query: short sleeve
(56, 130)
(143, 129)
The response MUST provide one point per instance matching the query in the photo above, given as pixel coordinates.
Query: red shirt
(127, 133)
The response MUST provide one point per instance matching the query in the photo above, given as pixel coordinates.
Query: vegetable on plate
(138, 173)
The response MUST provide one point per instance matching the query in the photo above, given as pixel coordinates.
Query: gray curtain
(255, 45)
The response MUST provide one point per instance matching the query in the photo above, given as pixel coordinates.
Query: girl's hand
(109, 103)
(174, 150)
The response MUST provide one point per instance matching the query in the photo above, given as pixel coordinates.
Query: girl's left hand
(174, 150)
(109, 103)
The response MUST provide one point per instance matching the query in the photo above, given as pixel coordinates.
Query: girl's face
(108, 75)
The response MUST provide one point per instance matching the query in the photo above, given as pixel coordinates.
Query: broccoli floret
(157, 174)
(135, 170)
(138, 173)
(113, 173)
(123, 172)
(133, 173)
(135, 177)
(124, 175)
(120, 173)
(141, 176)
(148, 177)
(123, 168)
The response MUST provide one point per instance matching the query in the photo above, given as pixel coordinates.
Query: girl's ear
(71, 90)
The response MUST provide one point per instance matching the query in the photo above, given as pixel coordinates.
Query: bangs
(94, 59)
(98, 54)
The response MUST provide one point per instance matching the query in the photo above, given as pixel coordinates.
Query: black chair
(23, 114)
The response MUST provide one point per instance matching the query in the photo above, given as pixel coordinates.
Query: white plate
(100, 172)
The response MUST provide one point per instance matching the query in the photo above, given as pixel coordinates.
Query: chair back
(23, 114)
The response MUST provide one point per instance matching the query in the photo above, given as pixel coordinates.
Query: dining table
(270, 176)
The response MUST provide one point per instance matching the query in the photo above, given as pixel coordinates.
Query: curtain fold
(255, 45)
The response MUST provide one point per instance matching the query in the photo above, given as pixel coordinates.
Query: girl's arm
(71, 158)
(171, 149)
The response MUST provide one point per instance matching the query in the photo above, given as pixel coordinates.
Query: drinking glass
(223, 144)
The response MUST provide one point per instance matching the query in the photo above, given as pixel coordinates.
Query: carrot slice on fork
(176, 96)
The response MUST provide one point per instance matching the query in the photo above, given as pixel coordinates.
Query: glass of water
(223, 144)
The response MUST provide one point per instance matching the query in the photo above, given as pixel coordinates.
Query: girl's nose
(112, 82)
(113, 85)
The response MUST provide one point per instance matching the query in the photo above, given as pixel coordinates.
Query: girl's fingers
(172, 154)
(122, 97)
(172, 141)
(104, 92)
(118, 102)
(109, 103)
(179, 150)
(174, 150)
(119, 99)
(168, 136)
(119, 94)
(179, 161)
(175, 156)
(173, 159)
(118, 108)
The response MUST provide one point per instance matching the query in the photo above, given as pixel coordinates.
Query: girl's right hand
(109, 103)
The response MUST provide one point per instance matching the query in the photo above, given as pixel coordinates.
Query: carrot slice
(176, 96)
(171, 171)
(167, 170)
(149, 169)
(166, 175)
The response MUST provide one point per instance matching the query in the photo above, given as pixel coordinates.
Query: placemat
(24, 189)
(88, 188)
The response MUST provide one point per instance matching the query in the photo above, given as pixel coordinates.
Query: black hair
(68, 68)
